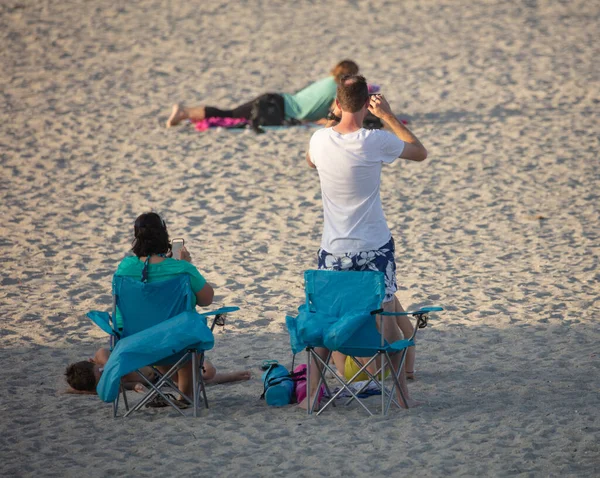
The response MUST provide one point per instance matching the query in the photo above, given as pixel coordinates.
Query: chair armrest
(219, 315)
(402, 344)
(421, 311)
(421, 315)
(102, 320)
(222, 310)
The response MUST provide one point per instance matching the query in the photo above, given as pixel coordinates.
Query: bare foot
(238, 376)
(410, 403)
(139, 388)
(304, 404)
(177, 115)
(410, 375)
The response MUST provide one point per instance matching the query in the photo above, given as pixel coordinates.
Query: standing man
(356, 236)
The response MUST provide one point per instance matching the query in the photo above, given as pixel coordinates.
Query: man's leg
(315, 375)
(407, 330)
(339, 359)
(391, 333)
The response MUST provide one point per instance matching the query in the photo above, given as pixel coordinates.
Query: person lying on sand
(83, 377)
(309, 104)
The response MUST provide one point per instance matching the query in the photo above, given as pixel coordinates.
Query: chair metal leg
(195, 381)
(372, 378)
(201, 379)
(155, 388)
(344, 387)
(382, 376)
(327, 361)
(124, 398)
(143, 402)
(315, 356)
(396, 382)
(308, 406)
(421, 319)
(115, 406)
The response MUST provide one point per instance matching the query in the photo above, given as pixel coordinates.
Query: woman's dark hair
(150, 235)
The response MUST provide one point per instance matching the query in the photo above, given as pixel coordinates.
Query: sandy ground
(500, 226)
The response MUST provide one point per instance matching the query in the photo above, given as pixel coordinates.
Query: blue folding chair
(160, 326)
(340, 314)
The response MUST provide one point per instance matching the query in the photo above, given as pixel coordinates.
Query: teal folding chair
(160, 326)
(340, 314)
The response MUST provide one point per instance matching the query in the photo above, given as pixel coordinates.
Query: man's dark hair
(352, 93)
(80, 376)
(150, 235)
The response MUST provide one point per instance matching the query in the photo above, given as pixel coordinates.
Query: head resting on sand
(344, 67)
(83, 376)
(150, 235)
(352, 93)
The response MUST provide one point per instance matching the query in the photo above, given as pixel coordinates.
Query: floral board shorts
(381, 259)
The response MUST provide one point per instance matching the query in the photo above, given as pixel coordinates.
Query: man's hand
(413, 149)
(379, 106)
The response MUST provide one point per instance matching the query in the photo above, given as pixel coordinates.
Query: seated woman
(309, 104)
(151, 263)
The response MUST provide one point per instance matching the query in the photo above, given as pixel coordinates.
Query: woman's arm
(205, 295)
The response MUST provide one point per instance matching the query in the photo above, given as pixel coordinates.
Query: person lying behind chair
(309, 104)
(83, 377)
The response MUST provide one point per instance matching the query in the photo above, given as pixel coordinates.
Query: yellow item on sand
(350, 368)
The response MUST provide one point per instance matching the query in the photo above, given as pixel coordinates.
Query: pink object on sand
(301, 384)
(220, 122)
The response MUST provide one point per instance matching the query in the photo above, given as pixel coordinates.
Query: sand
(499, 226)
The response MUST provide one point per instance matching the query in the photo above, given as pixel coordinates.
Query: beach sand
(500, 226)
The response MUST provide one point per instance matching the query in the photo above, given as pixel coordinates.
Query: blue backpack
(278, 385)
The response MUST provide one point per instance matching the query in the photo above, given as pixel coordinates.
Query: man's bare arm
(413, 149)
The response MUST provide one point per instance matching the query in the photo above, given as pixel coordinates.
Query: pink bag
(300, 382)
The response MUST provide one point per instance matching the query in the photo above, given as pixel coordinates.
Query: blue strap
(146, 264)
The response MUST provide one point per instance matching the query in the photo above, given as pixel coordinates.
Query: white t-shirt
(349, 167)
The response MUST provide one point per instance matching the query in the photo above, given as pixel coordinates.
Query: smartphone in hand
(176, 246)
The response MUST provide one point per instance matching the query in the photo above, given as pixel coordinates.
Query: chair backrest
(350, 296)
(145, 304)
(337, 293)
